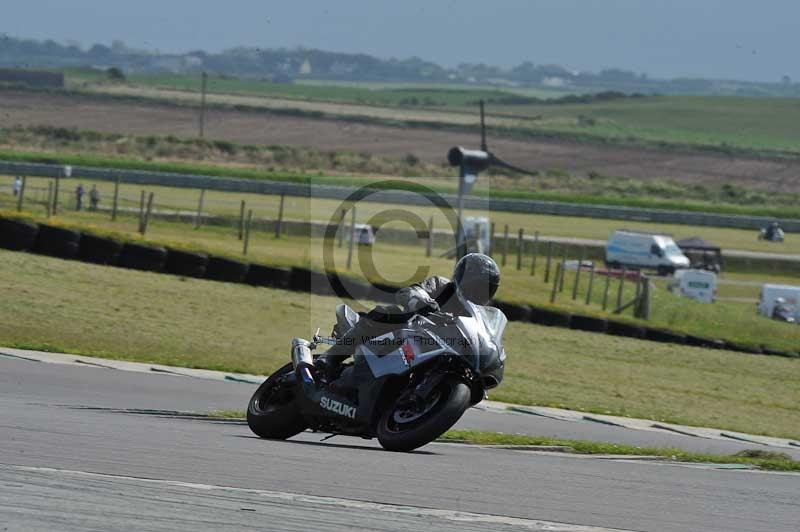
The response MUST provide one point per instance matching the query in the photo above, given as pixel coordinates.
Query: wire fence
(401, 197)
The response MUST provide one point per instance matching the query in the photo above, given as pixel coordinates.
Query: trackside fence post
(505, 245)
(115, 204)
(49, 198)
(429, 246)
(198, 218)
(242, 207)
(591, 285)
(142, 197)
(247, 226)
(556, 277)
(279, 224)
(577, 282)
(341, 227)
(622, 276)
(21, 196)
(352, 239)
(535, 252)
(55, 191)
(146, 219)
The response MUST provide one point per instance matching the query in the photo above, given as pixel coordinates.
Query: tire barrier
(141, 257)
(57, 242)
(512, 311)
(99, 250)
(347, 288)
(267, 276)
(186, 263)
(620, 328)
(663, 336)
(226, 270)
(699, 341)
(16, 235)
(779, 353)
(588, 323)
(305, 280)
(382, 293)
(550, 318)
(743, 348)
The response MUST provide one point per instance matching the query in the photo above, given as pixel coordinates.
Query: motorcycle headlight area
(494, 320)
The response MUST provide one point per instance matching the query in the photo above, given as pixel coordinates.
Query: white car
(631, 249)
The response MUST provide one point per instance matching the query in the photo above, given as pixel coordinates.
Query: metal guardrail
(231, 184)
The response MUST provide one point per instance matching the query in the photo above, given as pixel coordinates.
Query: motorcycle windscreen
(491, 353)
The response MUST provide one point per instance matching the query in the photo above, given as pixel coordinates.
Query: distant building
(305, 68)
(32, 78)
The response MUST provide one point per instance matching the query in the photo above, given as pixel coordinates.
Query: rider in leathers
(475, 278)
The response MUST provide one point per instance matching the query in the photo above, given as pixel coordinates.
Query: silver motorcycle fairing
(477, 338)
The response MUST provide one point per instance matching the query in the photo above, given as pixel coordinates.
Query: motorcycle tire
(453, 400)
(278, 420)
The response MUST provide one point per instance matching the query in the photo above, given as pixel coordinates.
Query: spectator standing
(94, 198)
(79, 197)
(16, 186)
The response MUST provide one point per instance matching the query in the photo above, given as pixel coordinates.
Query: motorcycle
(409, 386)
(784, 312)
(777, 236)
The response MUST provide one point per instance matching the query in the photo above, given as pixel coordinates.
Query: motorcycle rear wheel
(404, 429)
(272, 412)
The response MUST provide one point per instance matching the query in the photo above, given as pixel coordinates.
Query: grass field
(296, 208)
(170, 153)
(402, 264)
(378, 93)
(727, 122)
(80, 308)
(724, 123)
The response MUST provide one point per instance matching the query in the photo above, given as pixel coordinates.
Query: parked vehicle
(364, 236)
(700, 285)
(780, 302)
(411, 385)
(632, 249)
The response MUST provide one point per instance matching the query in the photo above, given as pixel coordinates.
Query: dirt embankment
(82, 112)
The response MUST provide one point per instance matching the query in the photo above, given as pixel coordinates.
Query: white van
(700, 285)
(771, 292)
(644, 250)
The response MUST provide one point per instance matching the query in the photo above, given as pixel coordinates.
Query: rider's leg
(345, 346)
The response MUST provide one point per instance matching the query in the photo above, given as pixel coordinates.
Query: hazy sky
(741, 39)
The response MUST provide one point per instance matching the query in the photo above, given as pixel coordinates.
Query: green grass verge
(736, 322)
(767, 460)
(71, 307)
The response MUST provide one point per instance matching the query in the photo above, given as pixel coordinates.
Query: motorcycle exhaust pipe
(302, 360)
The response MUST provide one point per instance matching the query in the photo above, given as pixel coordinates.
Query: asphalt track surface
(97, 449)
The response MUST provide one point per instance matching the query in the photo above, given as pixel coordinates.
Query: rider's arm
(422, 294)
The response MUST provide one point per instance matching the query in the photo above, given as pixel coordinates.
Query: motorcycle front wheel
(405, 427)
(272, 412)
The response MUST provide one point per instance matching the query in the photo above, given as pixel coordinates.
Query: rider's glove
(420, 300)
